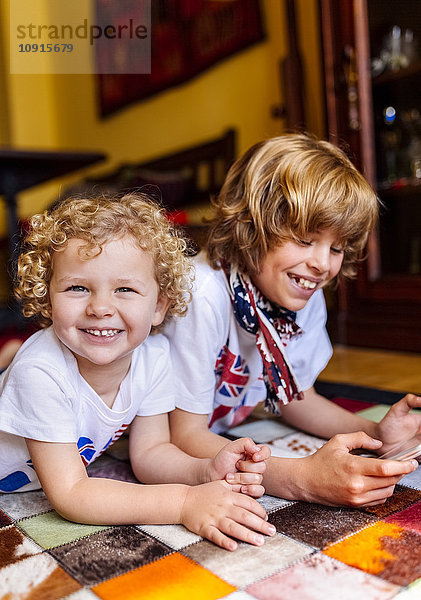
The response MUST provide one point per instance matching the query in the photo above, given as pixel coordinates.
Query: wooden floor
(394, 371)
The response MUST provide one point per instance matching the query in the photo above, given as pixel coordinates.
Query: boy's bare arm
(314, 414)
(321, 417)
(211, 510)
(190, 432)
(84, 499)
(155, 459)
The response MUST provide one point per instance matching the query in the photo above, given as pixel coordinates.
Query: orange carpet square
(385, 550)
(165, 579)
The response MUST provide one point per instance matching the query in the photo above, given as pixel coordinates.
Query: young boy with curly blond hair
(293, 215)
(99, 274)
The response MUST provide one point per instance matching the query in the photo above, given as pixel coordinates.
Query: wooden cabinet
(372, 67)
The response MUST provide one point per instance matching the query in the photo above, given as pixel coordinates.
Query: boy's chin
(295, 304)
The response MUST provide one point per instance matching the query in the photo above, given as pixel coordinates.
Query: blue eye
(126, 289)
(76, 288)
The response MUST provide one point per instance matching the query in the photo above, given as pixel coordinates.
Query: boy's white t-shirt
(198, 339)
(44, 397)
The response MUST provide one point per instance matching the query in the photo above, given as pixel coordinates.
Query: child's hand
(242, 464)
(399, 424)
(214, 511)
(335, 477)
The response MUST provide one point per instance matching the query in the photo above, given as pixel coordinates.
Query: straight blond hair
(285, 188)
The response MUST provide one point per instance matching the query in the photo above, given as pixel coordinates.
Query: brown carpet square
(402, 498)
(4, 519)
(318, 525)
(108, 553)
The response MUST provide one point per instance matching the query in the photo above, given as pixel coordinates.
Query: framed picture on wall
(187, 37)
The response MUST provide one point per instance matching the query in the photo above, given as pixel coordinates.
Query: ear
(162, 305)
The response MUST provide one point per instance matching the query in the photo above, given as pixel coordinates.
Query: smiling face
(291, 273)
(103, 307)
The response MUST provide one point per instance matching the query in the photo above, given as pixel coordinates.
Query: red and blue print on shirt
(232, 372)
(114, 437)
(86, 449)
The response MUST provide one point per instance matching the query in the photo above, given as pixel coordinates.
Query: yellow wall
(60, 111)
(309, 43)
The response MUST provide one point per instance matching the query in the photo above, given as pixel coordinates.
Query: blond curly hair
(285, 188)
(98, 220)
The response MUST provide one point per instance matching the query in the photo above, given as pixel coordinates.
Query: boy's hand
(242, 464)
(335, 477)
(399, 424)
(214, 511)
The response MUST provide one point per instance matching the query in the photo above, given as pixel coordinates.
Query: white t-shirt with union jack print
(210, 331)
(44, 397)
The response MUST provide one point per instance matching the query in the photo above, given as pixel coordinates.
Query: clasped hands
(242, 464)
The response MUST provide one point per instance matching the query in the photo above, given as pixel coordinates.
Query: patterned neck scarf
(273, 327)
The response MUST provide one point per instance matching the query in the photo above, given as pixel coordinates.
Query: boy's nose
(320, 259)
(100, 306)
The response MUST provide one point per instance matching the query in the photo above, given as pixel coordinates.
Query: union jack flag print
(233, 373)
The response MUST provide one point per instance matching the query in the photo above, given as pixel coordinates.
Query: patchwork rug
(318, 553)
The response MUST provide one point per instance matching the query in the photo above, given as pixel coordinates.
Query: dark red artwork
(187, 37)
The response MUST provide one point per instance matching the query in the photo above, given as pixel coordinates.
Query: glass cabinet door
(372, 67)
(395, 49)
